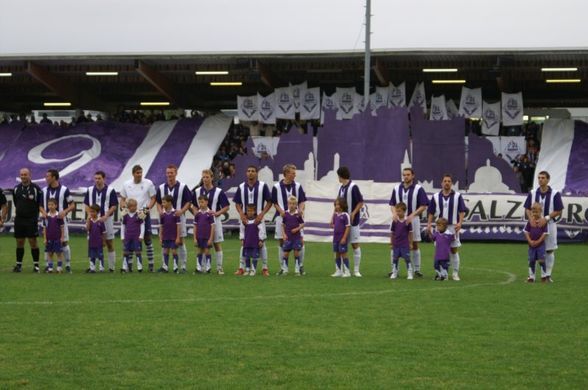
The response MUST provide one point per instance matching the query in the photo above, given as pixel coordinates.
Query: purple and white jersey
(258, 194)
(105, 198)
(400, 231)
(443, 244)
(535, 231)
(251, 237)
(95, 233)
(447, 207)
(53, 226)
(413, 197)
(133, 227)
(217, 199)
(550, 200)
(59, 193)
(292, 221)
(340, 223)
(179, 192)
(352, 195)
(169, 222)
(203, 220)
(281, 192)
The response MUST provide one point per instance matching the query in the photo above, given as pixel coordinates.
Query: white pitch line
(510, 279)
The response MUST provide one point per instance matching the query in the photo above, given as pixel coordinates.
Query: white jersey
(141, 192)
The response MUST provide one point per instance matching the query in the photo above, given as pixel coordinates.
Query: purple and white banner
(491, 118)
(470, 104)
(418, 98)
(512, 109)
(111, 147)
(438, 110)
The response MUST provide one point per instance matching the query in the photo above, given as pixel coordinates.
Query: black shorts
(26, 228)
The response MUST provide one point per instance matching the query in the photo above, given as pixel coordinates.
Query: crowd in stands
(234, 144)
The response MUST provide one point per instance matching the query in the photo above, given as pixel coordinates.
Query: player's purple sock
(59, 263)
(543, 266)
(248, 263)
(338, 263)
(297, 261)
(395, 265)
(166, 259)
(208, 261)
(255, 263)
(532, 266)
(346, 262)
(285, 262)
(50, 264)
(101, 258)
(139, 260)
(175, 261)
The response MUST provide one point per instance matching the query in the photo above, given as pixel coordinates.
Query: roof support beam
(381, 72)
(160, 82)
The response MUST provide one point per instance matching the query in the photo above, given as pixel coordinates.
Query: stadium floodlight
(5, 74)
(211, 72)
(226, 83)
(101, 73)
(439, 70)
(563, 81)
(448, 81)
(559, 69)
(57, 104)
(155, 103)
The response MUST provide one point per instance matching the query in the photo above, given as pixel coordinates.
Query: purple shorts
(292, 245)
(95, 253)
(252, 253)
(537, 253)
(339, 248)
(170, 244)
(401, 252)
(132, 246)
(202, 243)
(53, 246)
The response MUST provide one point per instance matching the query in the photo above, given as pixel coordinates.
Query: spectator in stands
(45, 120)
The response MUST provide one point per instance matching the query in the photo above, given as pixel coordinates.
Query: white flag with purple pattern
(247, 108)
(328, 103)
(491, 118)
(397, 95)
(512, 109)
(438, 109)
(470, 104)
(285, 103)
(310, 103)
(267, 108)
(379, 99)
(345, 102)
(418, 98)
(452, 111)
(296, 94)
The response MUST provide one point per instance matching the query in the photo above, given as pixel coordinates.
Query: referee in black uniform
(28, 202)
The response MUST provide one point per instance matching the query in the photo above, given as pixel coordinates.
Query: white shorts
(109, 226)
(218, 230)
(551, 239)
(262, 231)
(354, 234)
(278, 232)
(416, 229)
(456, 243)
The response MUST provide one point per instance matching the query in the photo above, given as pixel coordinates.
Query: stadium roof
(31, 81)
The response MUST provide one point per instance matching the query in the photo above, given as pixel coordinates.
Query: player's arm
(109, 213)
(222, 211)
(70, 207)
(160, 231)
(460, 218)
(410, 239)
(284, 235)
(211, 238)
(528, 237)
(195, 233)
(356, 209)
(417, 212)
(123, 227)
(275, 202)
(178, 227)
(185, 208)
(152, 202)
(45, 231)
(88, 224)
(268, 206)
(299, 228)
(3, 214)
(239, 208)
(61, 228)
(301, 208)
(142, 231)
(123, 202)
(345, 235)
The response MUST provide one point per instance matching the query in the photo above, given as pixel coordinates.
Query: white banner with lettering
(438, 108)
(491, 118)
(285, 103)
(512, 109)
(310, 103)
(418, 98)
(247, 108)
(470, 104)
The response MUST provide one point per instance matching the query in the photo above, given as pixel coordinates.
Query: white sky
(40, 27)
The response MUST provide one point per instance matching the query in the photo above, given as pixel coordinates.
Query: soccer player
(552, 208)
(182, 199)
(204, 236)
(443, 240)
(143, 191)
(219, 204)
(450, 205)
(65, 205)
(53, 233)
(352, 195)
(257, 193)
(281, 192)
(413, 195)
(96, 237)
(401, 241)
(28, 202)
(535, 235)
(132, 233)
(251, 241)
(341, 229)
(170, 233)
(292, 225)
(105, 197)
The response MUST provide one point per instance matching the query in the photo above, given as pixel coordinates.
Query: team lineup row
(253, 199)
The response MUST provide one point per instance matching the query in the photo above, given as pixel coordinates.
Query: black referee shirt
(2, 198)
(27, 200)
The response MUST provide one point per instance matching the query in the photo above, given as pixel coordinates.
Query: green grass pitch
(491, 330)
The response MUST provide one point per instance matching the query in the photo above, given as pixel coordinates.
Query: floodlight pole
(366, 70)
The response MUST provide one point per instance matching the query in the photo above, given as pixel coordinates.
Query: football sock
(219, 259)
(67, 254)
(549, 262)
(416, 259)
(338, 263)
(264, 255)
(19, 255)
(454, 257)
(112, 260)
(356, 259)
(149, 246)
